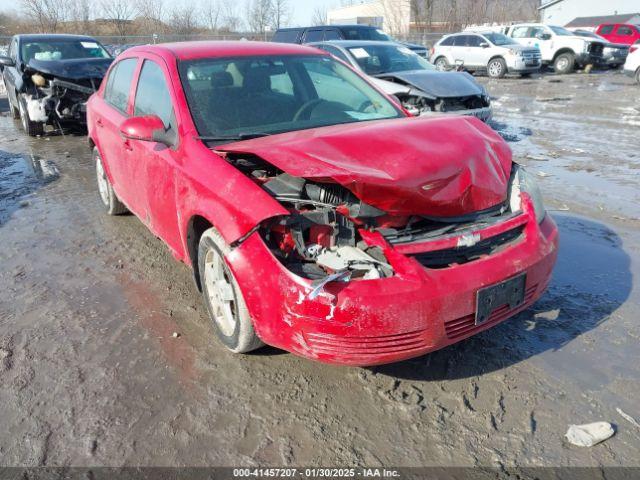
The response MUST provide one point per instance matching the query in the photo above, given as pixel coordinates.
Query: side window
(474, 41)
(332, 34)
(335, 52)
(447, 42)
(13, 49)
(520, 32)
(535, 31)
(606, 29)
(314, 36)
(152, 94)
(625, 30)
(281, 83)
(119, 83)
(461, 41)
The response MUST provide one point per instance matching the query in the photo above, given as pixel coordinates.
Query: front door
(159, 162)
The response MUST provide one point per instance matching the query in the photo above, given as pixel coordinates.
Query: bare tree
(45, 14)
(281, 11)
(320, 16)
(212, 14)
(231, 19)
(150, 15)
(119, 14)
(78, 14)
(260, 14)
(183, 20)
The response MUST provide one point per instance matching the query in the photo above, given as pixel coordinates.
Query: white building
(392, 16)
(561, 12)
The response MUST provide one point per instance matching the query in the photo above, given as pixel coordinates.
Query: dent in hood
(75, 69)
(440, 167)
(439, 84)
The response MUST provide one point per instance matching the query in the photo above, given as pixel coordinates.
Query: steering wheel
(307, 107)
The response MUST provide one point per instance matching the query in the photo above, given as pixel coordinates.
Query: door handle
(99, 123)
(127, 146)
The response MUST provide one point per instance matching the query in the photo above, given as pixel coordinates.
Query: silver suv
(492, 52)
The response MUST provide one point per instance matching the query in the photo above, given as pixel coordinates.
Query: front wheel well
(563, 51)
(196, 227)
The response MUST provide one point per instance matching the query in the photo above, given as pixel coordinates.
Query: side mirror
(146, 129)
(7, 61)
(484, 45)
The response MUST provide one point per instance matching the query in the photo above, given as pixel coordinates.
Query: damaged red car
(317, 215)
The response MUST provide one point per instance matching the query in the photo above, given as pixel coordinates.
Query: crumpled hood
(75, 69)
(440, 167)
(439, 84)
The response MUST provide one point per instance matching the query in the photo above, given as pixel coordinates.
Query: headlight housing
(523, 181)
(517, 53)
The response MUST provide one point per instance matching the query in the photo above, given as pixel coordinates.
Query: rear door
(158, 163)
(606, 30)
(117, 155)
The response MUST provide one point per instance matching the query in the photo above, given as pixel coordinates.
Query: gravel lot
(91, 375)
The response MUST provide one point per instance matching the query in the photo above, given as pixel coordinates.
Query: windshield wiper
(238, 137)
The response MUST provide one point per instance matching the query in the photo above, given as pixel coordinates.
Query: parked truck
(559, 47)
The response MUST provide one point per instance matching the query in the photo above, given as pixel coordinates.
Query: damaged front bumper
(483, 114)
(421, 308)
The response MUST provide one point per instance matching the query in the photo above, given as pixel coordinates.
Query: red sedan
(317, 215)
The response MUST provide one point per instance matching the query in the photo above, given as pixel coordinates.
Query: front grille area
(531, 55)
(596, 49)
(461, 255)
(326, 344)
(462, 103)
(461, 327)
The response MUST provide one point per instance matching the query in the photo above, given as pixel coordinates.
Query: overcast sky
(302, 9)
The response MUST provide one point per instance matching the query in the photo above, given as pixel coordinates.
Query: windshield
(251, 96)
(499, 39)
(562, 31)
(365, 34)
(62, 50)
(380, 59)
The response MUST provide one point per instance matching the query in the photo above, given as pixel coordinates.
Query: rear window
(625, 30)
(314, 36)
(286, 36)
(365, 33)
(119, 83)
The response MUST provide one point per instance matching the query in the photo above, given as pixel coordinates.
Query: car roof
(213, 49)
(52, 36)
(358, 43)
(364, 27)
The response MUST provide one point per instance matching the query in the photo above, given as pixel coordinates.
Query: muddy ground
(91, 375)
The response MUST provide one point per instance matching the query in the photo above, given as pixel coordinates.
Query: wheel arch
(196, 226)
(562, 51)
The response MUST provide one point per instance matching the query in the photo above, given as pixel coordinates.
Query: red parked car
(317, 215)
(623, 33)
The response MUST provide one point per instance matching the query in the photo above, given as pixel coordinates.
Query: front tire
(222, 296)
(33, 129)
(110, 200)
(564, 63)
(497, 68)
(442, 64)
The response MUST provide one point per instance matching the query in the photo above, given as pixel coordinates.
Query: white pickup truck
(558, 46)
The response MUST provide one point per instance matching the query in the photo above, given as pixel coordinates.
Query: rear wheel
(222, 296)
(497, 68)
(110, 200)
(442, 64)
(33, 129)
(564, 63)
(638, 76)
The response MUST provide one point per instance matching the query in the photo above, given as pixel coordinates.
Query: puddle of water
(22, 175)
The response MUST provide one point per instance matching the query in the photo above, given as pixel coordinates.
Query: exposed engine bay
(322, 238)
(50, 99)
